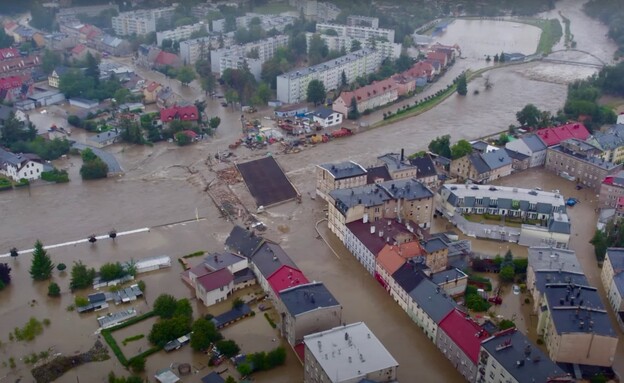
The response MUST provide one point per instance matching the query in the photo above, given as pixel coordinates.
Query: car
(224, 104)
(516, 289)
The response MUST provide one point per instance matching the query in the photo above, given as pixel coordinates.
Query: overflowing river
(164, 184)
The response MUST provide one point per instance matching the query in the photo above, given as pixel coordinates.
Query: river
(158, 189)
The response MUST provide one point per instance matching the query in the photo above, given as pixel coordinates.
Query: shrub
(137, 364)
(80, 301)
(54, 290)
(61, 267)
(195, 254)
(55, 175)
(30, 330)
(141, 285)
(132, 339)
(268, 318)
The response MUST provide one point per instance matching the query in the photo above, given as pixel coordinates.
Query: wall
(311, 322)
(458, 358)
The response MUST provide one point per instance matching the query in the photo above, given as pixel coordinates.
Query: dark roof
(542, 278)
(343, 170)
(522, 359)
(374, 242)
(266, 181)
(213, 377)
(217, 261)
(434, 244)
(409, 189)
(534, 142)
(393, 161)
(215, 280)
(5, 112)
(409, 275)
(557, 226)
(377, 172)
(269, 258)
(231, 315)
(496, 159)
(616, 257)
(243, 242)
(447, 276)
(432, 299)
(323, 112)
(303, 298)
(243, 275)
(425, 166)
(480, 146)
(516, 155)
(478, 163)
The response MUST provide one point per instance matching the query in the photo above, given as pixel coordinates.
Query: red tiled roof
(464, 332)
(420, 69)
(215, 280)
(165, 58)
(78, 49)
(190, 134)
(369, 91)
(438, 56)
(184, 113)
(392, 257)
(286, 277)
(11, 82)
(9, 25)
(153, 86)
(7, 53)
(555, 135)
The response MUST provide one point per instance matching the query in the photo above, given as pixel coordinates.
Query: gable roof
(270, 257)
(153, 86)
(346, 169)
(364, 93)
(420, 69)
(515, 155)
(496, 159)
(221, 260)
(377, 172)
(425, 166)
(433, 300)
(381, 233)
(534, 142)
(8, 53)
(166, 58)
(78, 49)
(213, 377)
(308, 297)
(616, 258)
(243, 242)
(555, 135)
(464, 332)
(409, 275)
(184, 113)
(477, 162)
(286, 277)
(392, 257)
(215, 279)
(323, 112)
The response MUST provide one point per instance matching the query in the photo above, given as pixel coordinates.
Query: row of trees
(442, 146)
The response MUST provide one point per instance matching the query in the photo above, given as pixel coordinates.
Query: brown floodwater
(158, 189)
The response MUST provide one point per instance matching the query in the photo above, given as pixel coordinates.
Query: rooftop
(166, 376)
(323, 112)
(504, 193)
(553, 259)
(616, 179)
(307, 297)
(434, 244)
(478, 163)
(217, 261)
(375, 235)
(612, 138)
(616, 257)
(534, 142)
(546, 277)
(269, 258)
(410, 275)
(328, 64)
(555, 135)
(464, 332)
(286, 277)
(377, 172)
(425, 166)
(349, 352)
(215, 280)
(523, 360)
(433, 300)
(343, 170)
(595, 161)
(447, 276)
(376, 89)
(233, 314)
(184, 113)
(395, 161)
(243, 241)
(392, 257)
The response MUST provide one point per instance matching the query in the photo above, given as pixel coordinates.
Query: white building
(183, 32)
(337, 43)
(18, 166)
(359, 21)
(195, 49)
(612, 277)
(358, 32)
(140, 22)
(326, 117)
(292, 87)
(252, 55)
(347, 354)
(532, 146)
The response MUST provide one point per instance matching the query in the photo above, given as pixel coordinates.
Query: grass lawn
(551, 33)
(273, 8)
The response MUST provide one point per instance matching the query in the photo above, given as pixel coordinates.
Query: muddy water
(156, 190)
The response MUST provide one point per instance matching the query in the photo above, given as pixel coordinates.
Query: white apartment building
(337, 43)
(358, 32)
(358, 21)
(193, 50)
(315, 10)
(235, 56)
(267, 22)
(140, 22)
(292, 86)
(241, 62)
(180, 33)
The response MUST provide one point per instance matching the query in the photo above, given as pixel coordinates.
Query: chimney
(372, 229)
(402, 154)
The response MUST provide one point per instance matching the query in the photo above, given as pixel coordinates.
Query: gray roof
(5, 112)
(213, 377)
(300, 72)
(616, 257)
(510, 347)
(594, 161)
(304, 298)
(447, 275)
(434, 244)
(433, 300)
(377, 172)
(516, 155)
(243, 242)
(425, 166)
(409, 275)
(103, 137)
(559, 226)
(549, 258)
(577, 309)
(270, 257)
(343, 170)
(612, 138)
(543, 208)
(11, 158)
(534, 143)
(393, 162)
(545, 277)
(218, 261)
(323, 112)
(479, 164)
(618, 280)
(480, 146)
(496, 159)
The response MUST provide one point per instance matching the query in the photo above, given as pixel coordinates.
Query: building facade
(20, 166)
(140, 22)
(532, 146)
(611, 189)
(338, 176)
(183, 32)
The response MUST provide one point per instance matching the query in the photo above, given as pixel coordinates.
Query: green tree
(529, 116)
(121, 95)
(505, 324)
(353, 113)
(229, 348)
(230, 379)
(54, 290)
(244, 369)
(50, 60)
(460, 149)
(184, 310)
(316, 92)
(5, 274)
(263, 93)
(507, 273)
(111, 271)
(81, 276)
(131, 131)
(441, 146)
(231, 96)
(186, 75)
(92, 70)
(343, 79)
(600, 242)
(317, 51)
(237, 303)
(276, 357)
(166, 330)
(208, 83)
(462, 85)
(165, 306)
(214, 122)
(95, 169)
(14, 130)
(356, 45)
(182, 139)
(137, 364)
(42, 266)
(204, 333)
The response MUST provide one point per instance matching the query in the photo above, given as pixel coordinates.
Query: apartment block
(358, 32)
(611, 189)
(612, 277)
(140, 22)
(183, 32)
(195, 49)
(362, 21)
(337, 43)
(338, 176)
(292, 86)
(251, 55)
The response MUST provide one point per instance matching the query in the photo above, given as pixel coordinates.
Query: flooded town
(288, 191)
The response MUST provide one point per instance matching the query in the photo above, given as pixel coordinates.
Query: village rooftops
(479, 164)
(392, 257)
(591, 160)
(376, 235)
(469, 193)
(395, 161)
(344, 169)
(328, 64)
(612, 138)
(553, 259)
(307, 297)
(519, 357)
(555, 135)
(559, 223)
(465, 333)
(376, 89)
(433, 300)
(244, 242)
(16, 160)
(184, 113)
(496, 159)
(577, 309)
(348, 352)
(376, 194)
(106, 136)
(323, 112)
(447, 276)
(286, 277)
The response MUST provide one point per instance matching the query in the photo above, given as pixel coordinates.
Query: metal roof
(269, 258)
(433, 300)
(343, 170)
(307, 297)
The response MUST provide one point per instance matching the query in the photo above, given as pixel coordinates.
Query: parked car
(516, 289)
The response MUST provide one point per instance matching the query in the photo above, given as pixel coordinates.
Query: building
(611, 142)
(398, 167)
(252, 55)
(404, 200)
(182, 113)
(214, 287)
(519, 161)
(307, 309)
(611, 189)
(612, 277)
(580, 160)
(362, 21)
(140, 22)
(18, 166)
(150, 92)
(368, 97)
(284, 278)
(347, 354)
(532, 146)
(509, 356)
(428, 305)
(388, 49)
(199, 49)
(426, 171)
(338, 176)
(183, 32)
(555, 135)
(482, 167)
(391, 257)
(360, 32)
(543, 265)
(292, 86)
(325, 117)
(453, 281)
(103, 139)
(459, 338)
(55, 77)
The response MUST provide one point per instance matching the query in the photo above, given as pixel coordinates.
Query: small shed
(213, 377)
(152, 263)
(166, 376)
(83, 103)
(46, 98)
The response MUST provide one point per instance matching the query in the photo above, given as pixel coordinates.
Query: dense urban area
(319, 191)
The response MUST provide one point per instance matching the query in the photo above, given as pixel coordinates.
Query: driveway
(109, 159)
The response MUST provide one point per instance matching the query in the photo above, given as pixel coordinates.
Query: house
(392, 257)
(549, 265)
(371, 96)
(459, 338)
(499, 163)
(346, 354)
(398, 166)
(45, 98)
(55, 77)
(243, 242)
(428, 305)
(437, 251)
(338, 176)
(405, 279)
(8, 53)
(421, 69)
(283, 278)
(580, 160)
(84, 103)
(611, 142)
(18, 166)
(326, 117)
(426, 171)
(101, 140)
(611, 189)
(438, 56)
(181, 113)
(519, 161)
(150, 92)
(377, 174)
(482, 167)
(307, 309)
(555, 135)
(15, 88)
(509, 356)
(166, 59)
(214, 287)
(79, 52)
(612, 277)
(291, 110)
(453, 281)
(166, 376)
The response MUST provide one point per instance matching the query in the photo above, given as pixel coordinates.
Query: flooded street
(164, 184)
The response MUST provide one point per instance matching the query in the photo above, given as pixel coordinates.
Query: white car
(516, 289)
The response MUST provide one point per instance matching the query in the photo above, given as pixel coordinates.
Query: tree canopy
(460, 149)
(81, 276)
(316, 92)
(204, 333)
(462, 85)
(441, 146)
(41, 266)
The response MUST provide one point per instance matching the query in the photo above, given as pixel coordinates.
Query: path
(113, 165)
